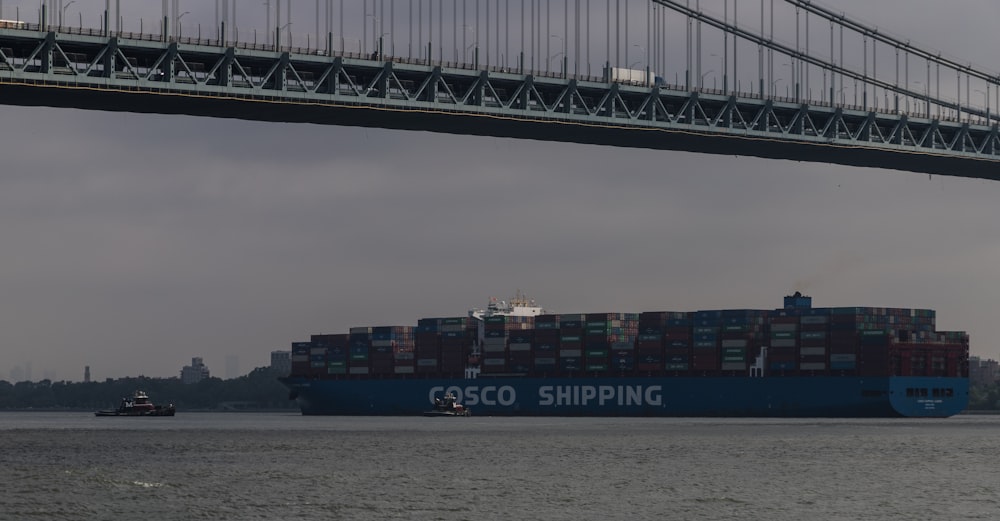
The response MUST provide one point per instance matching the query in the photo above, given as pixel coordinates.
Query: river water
(240, 466)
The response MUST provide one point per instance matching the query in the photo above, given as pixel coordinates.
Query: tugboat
(138, 405)
(448, 407)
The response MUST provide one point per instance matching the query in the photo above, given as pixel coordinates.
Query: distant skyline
(132, 243)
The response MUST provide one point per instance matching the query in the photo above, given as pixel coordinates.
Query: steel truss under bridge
(135, 73)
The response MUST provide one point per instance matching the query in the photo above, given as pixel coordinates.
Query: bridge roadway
(145, 74)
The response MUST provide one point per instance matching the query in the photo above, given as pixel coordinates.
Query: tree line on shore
(985, 397)
(259, 390)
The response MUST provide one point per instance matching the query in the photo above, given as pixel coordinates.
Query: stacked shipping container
(800, 340)
(609, 342)
(507, 344)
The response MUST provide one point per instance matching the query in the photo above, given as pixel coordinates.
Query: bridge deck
(133, 74)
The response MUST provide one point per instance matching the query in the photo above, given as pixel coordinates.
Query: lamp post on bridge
(773, 88)
(62, 13)
(791, 73)
(986, 100)
(180, 31)
(563, 51)
(647, 79)
(701, 81)
(375, 35)
(722, 67)
(548, 64)
(277, 36)
(381, 45)
(475, 42)
(927, 97)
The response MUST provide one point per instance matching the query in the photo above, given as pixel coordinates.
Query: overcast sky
(131, 243)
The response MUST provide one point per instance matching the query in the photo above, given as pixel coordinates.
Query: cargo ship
(514, 358)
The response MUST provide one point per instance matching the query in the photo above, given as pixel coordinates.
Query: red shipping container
(673, 333)
(705, 362)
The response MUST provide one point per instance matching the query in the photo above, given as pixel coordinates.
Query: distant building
(194, 373)
(281, 362)
(983, 372)
(86, 374)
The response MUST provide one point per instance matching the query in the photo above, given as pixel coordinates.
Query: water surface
(286, 466)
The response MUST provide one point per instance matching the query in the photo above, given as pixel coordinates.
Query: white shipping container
(812, 351)
(360, 330)
(358, 370)
(317, 351)
(405, 369)
(813, 320)
(742, 342)
(520, 347)
(427, 362)
(382, 343)
(570, 353)
(813, 366)
(494, 361)
(404, 356)
(300, 358)
(494, 349)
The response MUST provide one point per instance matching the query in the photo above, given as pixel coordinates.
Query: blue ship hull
(817, 396)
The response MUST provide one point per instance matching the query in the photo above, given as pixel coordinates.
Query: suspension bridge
(790, 79)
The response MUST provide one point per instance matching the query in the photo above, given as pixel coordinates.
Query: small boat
(448, 407)
(138, 405)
